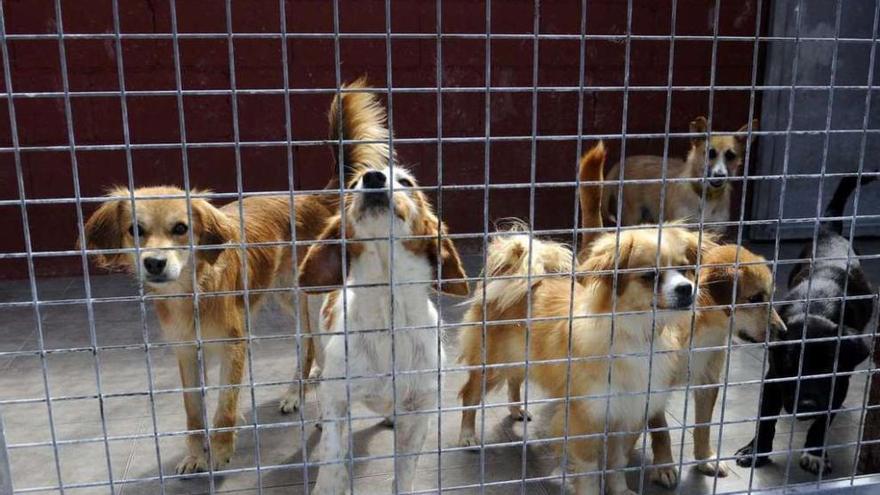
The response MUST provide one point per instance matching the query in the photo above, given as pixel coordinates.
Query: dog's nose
(719, 174)
(374, 180)
(684, 290)
(154, 266)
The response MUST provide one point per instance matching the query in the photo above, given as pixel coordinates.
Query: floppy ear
(322, 265)
(698, 125)
(103, 230)
(743, 139)
(215, 228)
(718, 280)
(602, 258)
(450, 265)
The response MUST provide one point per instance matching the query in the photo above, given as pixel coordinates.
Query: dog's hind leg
(704, 400)
(309, 348)
(411, 432)
(471, 395)
(196, 459)
(664, 472)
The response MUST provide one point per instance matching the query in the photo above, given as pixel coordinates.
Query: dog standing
(834, 276)
(168, 265)
(382, 320)
(716, 158)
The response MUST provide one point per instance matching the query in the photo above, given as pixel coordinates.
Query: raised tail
(841, 195)
(508, 258)
(592, 169)
(359, 116)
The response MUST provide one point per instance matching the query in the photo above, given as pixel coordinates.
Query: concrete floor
(132, 419)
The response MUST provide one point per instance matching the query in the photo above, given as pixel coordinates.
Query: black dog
(844, 325)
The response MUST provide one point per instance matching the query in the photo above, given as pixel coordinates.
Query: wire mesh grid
(79, 416)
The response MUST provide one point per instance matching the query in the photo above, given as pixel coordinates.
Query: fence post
(869, 455)
(5, 472)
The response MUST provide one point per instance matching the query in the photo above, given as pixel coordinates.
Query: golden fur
(641, 202)
(218, 269)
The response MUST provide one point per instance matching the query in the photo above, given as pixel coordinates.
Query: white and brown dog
(172, 260)
(379, 319)
(715, 158)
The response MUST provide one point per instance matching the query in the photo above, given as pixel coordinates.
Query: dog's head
(377, 199)
(734, 275)
(820, 357)
(651, 267)
(723, 154)
(163, 229)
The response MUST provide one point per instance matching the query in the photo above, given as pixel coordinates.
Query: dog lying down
(827, 337)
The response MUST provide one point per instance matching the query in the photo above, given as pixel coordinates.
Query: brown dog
(716, 158)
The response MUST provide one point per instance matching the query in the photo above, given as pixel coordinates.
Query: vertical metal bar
(5, 471)
(26, 232)
(129, 167)
(297, 310)
(575, 238)
(439, 267)
(245, 282)
(187, 187)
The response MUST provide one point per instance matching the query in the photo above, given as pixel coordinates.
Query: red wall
(148, 65)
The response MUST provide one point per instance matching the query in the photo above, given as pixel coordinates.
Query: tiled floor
(131, 419)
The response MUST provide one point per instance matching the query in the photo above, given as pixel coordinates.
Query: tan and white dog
(379, 318)
(716, 158)
(167, 231)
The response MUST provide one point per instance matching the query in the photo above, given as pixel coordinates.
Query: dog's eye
(713, 154)
(757, 298)
(729, 155)
(405, 182)
(649, 276)
(140, 230)
(179, 229)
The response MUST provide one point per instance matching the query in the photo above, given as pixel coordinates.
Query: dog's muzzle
(374, 195)
(684, 296)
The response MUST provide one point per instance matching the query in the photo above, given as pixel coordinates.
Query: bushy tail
(508, 256)
(841, 195)
(592, 169)
(359, 116)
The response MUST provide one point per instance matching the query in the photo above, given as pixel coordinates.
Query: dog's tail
(841, 195)
(359, 116)
(508, 259)
(592, 169)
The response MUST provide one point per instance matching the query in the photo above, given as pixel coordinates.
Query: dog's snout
(154, 266)
(719, 174)
(374, 179)
(684, 290)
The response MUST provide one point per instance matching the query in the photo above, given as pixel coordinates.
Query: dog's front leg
(333, 477)
(619, 448)
(814, 459)
(226, 416)
(309, 347)
(196, 458)
(664, 472)
(771, 403)
(705, 398)
(411, 432)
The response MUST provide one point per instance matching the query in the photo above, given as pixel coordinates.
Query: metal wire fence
(65, 410)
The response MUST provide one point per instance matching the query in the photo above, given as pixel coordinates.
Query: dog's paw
(665, 476)
(815, 463)
(520, 414)
(192, 464)
(468, 439)
(290, 402)
(746, 456)
(713, 467)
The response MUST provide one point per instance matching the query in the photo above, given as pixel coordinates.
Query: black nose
(719, 174)
(684, 290)
(154, 266)
(374, 180)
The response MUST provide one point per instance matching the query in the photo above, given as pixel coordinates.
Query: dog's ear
(718, 281)
(215, 228)
(743, 139)
(451, 268)
(852, 350)
(321, 268)
(608, 255)
(104, 230)
(698, 125)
